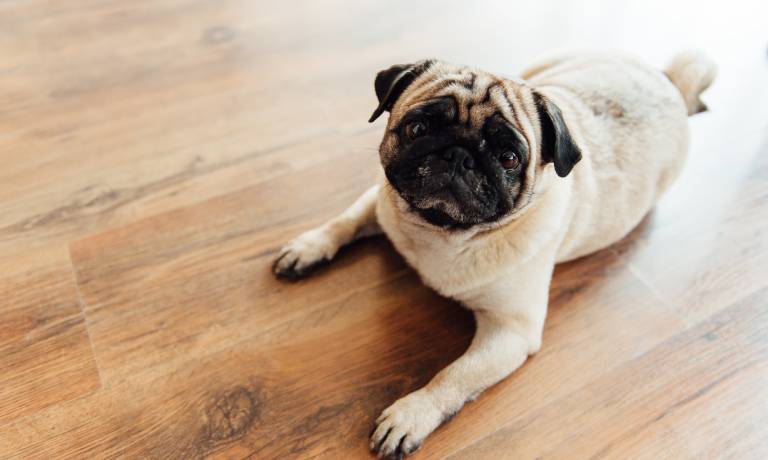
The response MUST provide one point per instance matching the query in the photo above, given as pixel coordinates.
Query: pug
(490, 181)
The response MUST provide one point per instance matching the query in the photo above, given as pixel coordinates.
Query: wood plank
(45, 351)
(112, 143)
(706, 247)
(294, 391)
(143, 123)
(669, 403)
(162, 283)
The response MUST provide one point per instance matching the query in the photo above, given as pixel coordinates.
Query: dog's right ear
(391, 83)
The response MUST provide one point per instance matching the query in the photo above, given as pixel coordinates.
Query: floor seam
(87, 327)
(654, 291)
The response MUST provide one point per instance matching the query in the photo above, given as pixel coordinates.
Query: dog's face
(463, 147)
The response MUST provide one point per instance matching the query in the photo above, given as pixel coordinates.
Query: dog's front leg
(509, 329)
(303, 253)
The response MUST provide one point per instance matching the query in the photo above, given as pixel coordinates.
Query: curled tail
(692, 72)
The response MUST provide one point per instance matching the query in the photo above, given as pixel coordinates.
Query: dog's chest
(450, 265)
(441, 265)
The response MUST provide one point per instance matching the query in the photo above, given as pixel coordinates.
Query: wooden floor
(155, 154)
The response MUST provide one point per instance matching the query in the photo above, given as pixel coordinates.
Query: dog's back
(631, 121)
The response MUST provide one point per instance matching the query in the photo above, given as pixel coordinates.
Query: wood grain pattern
(202, 269)
(281, 393)
(155, 154)
(45, 350)
(631, 410)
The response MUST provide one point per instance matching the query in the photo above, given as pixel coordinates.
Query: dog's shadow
(405, 333)
(416, 331)
(421, 332)
(572, 278)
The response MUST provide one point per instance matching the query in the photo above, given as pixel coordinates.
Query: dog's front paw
(404, 425)
(304, 253)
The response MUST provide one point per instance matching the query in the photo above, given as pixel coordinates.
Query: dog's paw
(404, 425)
(304, 253)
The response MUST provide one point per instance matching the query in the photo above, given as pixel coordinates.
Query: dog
(489, 182)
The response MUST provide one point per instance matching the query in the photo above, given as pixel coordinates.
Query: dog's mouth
(447, 199)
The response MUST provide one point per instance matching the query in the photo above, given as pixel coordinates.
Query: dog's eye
(509, 160)
(416, 129)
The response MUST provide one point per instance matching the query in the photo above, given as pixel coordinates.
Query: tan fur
(692, 72)
(630, 122)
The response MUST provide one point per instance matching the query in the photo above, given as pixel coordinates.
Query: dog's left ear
(391, 83)
(557, 144)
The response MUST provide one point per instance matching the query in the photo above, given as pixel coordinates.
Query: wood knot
(231, 415)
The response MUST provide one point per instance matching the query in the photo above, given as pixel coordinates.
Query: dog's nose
(460, 157)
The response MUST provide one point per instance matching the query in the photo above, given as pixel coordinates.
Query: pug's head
(463, 147)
